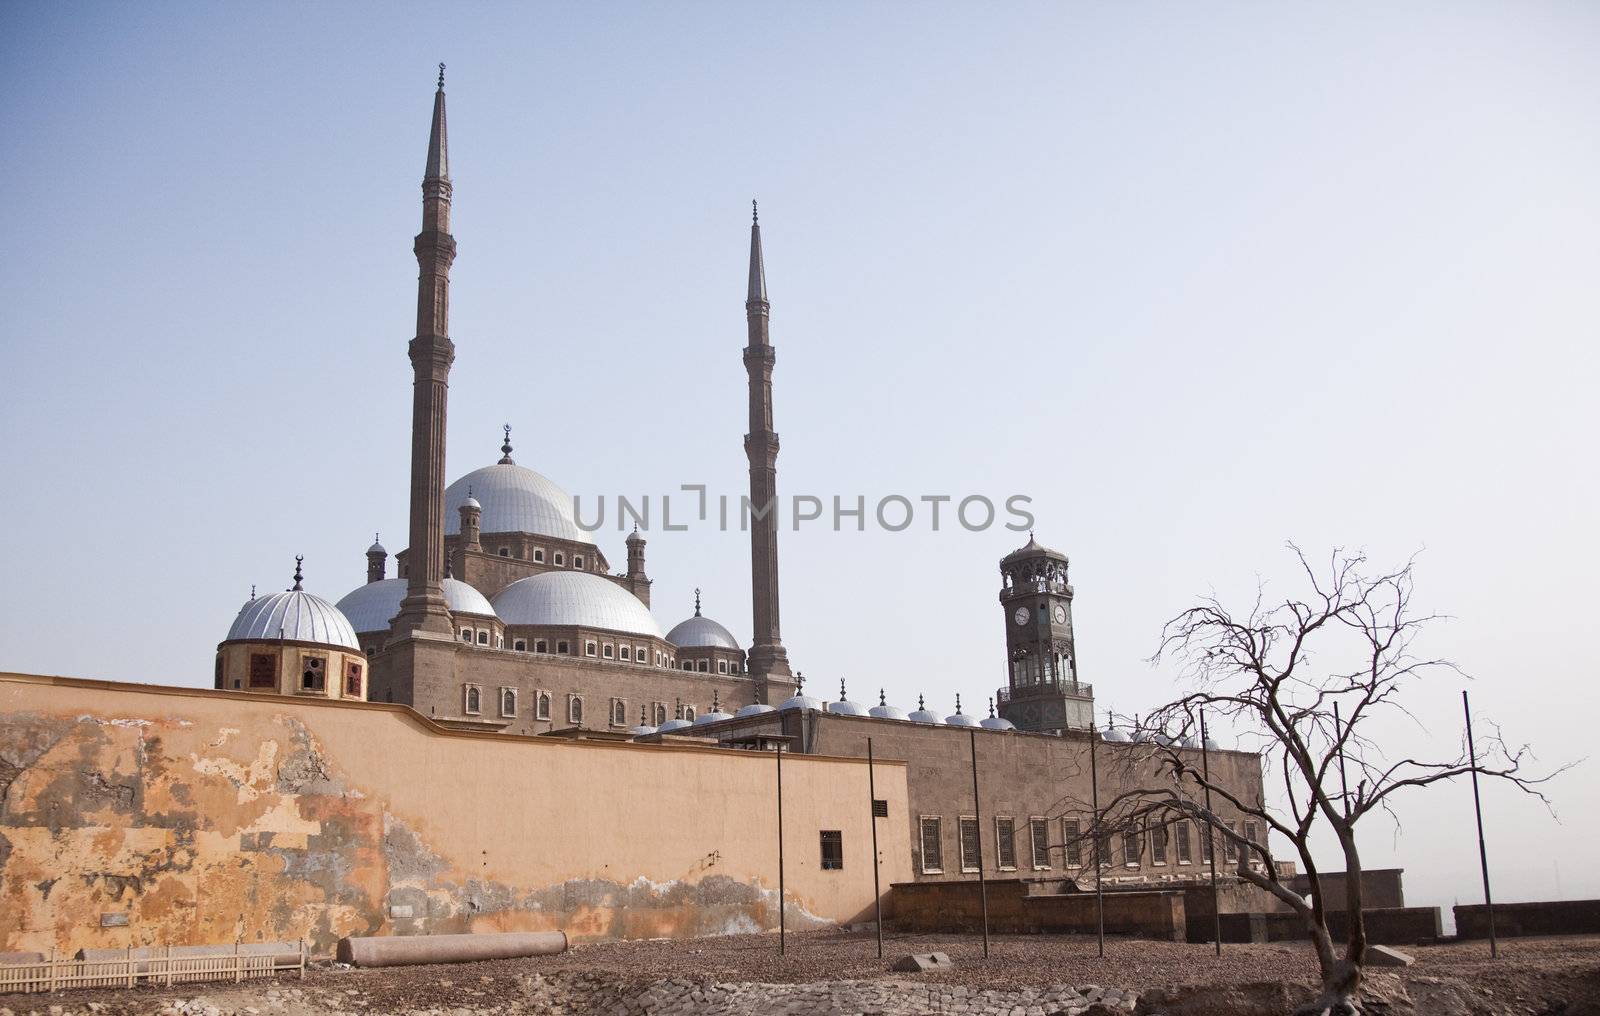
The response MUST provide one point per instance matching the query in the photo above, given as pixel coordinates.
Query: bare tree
(1264, 673)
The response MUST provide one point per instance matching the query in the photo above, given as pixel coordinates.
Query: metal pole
(977, 817)
(782, 931)
(872, 812)
(1477, 806)
(1211, 844)
(1099, 899)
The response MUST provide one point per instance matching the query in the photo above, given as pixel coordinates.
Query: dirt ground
(1532, 976)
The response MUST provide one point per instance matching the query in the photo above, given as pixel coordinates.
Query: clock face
(1022, 615)
(1061, 614)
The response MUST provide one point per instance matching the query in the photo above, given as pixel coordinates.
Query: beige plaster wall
(202, 816)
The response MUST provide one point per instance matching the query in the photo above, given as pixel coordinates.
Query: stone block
(918, 963)
(1383, 956)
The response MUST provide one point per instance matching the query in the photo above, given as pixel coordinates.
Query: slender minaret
(431, 355)
(768, 660)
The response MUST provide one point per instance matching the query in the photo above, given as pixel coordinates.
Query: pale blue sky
(1198, 278)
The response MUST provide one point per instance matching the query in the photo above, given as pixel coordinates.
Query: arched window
(688, 713)
(505, 551)
(520, 645)
(483, 637)
(508, 701)
(541, 706)
(474, 701)
(577, 560)
(575, 709)
(466, 635)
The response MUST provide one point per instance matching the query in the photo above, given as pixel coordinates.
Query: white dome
(996, 723)
(700, 631)
(804, 703)
(884, 711)
(673, 725)
(960, 720)
(754, 709)
(574, 598)
(372, 607)
(1114, 734)
(641, 730)
(295, 616)
(714, 716)
(922, 714)
(515, 500)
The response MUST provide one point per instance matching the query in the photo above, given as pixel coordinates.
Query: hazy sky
(1196, 278)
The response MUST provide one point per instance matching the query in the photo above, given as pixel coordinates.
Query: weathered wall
(1384, 926)
(1014, 909)
(200, 816)
(1555, 917)
(1380, 888)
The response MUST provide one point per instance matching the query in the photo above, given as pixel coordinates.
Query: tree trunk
(1341, 990)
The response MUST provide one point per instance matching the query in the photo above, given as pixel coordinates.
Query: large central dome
(515, 499)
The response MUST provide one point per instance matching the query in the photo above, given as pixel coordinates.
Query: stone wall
(138, 815)
(1015, 908)
(1384, 926)
(1555, 917)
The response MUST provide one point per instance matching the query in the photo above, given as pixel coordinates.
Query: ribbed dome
(922, 714)
(802, 702)
(960, 720)
(296, 616)
(515, 500)
(844, 707)
(884, 711)
(372, 607)
(700, 631)
(754, 709)
(574, 598)
(996, 723)
(714, 716)
(672, 726)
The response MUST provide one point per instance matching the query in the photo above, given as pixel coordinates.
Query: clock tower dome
(1043, 693)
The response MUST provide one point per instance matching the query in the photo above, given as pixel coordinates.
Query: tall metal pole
(1477, 805)
(977, 817)
(782, 931)
(872, 811)
(1211, 843)
(1099, 898)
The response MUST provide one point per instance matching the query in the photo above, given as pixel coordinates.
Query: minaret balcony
(1048, 689)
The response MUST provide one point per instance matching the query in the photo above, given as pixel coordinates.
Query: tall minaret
(767, 659)
(431, 355)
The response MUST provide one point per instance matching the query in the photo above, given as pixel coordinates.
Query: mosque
(504, 616)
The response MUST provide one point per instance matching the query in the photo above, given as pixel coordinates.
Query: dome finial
(958, 702)
(696, 601)
(642, 722)
(505, 449)
(991, 709)
(841, 690)
(882, 699)
(252, 592)
(716, 700)
(799, 680)
(441, 76)
(448, 572)
(755, 213)
(297, 575)
(921, 704)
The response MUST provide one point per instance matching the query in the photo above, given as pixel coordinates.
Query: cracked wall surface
(141, 815)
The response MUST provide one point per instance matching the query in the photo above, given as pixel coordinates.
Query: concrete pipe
(402, 950)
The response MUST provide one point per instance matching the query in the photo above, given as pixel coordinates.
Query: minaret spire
(768, 660)
(431, 353)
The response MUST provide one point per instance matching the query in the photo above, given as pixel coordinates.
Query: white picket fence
(156, 966)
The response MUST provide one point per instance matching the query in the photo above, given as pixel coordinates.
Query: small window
(508, 701)
(971, 850)
(880, 809)
(703, 666)
(734, 667)
(624, 653)
(1130, 848)
(466, 635)
(619, 713)
(472, 703)
(832, 850)
(505, 551)
(1005, 832)
(499, 641)
(483, 637)
(1206, 839)
(688, 713)
(561, 649)
(658, 714)
(577, 560)
(588, 649)
(541, 646)
(722, 666)
(575, 709)
(561, 559)
(538, 555)
(1230, 849)
(313, 673)
(1158, 844)
(541, 706)
(1071, 833)
(932, 846)
(608, 651)
(1180, 837)
(263, 670)
(521, 645)
(1039, 833)
(352, 679)
(216, 677)
(688, 664)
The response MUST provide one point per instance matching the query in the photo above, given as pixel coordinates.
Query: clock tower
(1043, 693)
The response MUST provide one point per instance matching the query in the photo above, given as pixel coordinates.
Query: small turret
(377, 560)
(471, 518)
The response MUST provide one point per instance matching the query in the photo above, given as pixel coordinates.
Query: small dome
(1190, 742)
(996, 723)
(700, 631)
(922, 714)
(294, 616)
(844, 707)
(462, 598)
(1031, 548)
(372, 607)
(376, 548)
(959, 718)
(1212, 745)
(515, 500)
(641, 730)
(754, 709)
(1114, 734)
(671, 726)
(884, 711)
(802, 702)
(714, 716)
(574, 598)
(473, 503)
